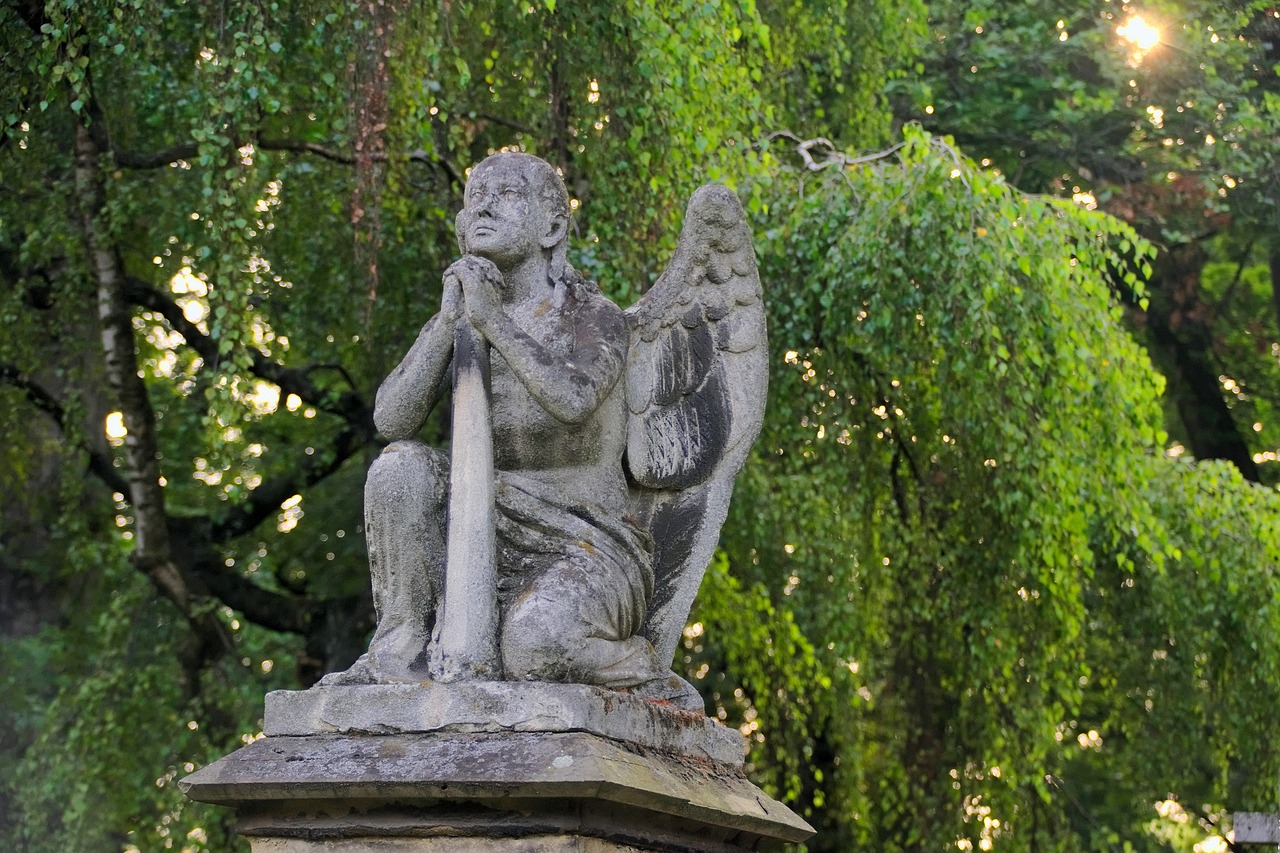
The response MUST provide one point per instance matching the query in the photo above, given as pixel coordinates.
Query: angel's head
(515, 205)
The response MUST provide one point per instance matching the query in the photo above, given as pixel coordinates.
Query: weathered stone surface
(538, 844)
(531, 587)
(480, 706)
(512, 785)
(593, 456)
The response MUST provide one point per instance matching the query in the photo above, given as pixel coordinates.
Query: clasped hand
(471, 289)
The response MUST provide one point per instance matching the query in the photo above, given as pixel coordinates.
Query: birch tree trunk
(152, 551)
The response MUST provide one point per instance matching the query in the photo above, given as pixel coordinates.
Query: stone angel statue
(565, 534)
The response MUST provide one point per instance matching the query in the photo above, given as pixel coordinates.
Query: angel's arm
(571, 388)
(408, 395)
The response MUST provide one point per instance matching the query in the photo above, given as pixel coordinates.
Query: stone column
(490, 766)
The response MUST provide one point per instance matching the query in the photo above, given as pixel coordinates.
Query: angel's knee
(537, 640)
(407, 477)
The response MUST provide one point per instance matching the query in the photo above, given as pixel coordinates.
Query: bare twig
(831, 156)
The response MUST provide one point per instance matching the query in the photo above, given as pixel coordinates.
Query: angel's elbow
(391, 425)
(571, 411)
(393, 419)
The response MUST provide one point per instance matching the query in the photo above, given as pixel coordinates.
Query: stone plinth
(490, 767)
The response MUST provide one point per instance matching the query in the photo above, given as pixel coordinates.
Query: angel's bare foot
(670, 689)
(360, 672)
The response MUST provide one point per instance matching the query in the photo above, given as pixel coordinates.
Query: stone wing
(697, 380)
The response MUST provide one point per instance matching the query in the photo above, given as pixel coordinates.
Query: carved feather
(695, 334)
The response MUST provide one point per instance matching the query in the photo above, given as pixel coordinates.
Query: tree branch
(347, 405)
(267, 608)
(99, 463)
(188, 150)
(266, 499)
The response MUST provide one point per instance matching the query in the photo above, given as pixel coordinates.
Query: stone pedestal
(490, 766)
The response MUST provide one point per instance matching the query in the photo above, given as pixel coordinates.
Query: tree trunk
(152, 551)
(1180, 333)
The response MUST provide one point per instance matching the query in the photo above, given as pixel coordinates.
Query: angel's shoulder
(595, 311)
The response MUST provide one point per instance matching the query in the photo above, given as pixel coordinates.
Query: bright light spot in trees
(292, 402)
(115, 428)
(1257, 427)
(291, 515)
(955, 173)
(267, 665)
(264, 398)
(1062, 36)
(1089, 740)
(1212, 844)
(593, 94)
(1085, 199)
(1157, 116)
(928, 110)
(1139, 33)
(1171, 810)
(187, 282)
(789, 548)
(1141, 36)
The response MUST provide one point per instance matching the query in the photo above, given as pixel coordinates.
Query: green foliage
(959, 481)
(119, 730)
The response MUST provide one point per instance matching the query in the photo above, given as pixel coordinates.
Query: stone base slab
(491, 767)
(500, 706)
(453, 791)
(535, 844)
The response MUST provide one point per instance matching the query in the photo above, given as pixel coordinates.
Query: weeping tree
(988, 608)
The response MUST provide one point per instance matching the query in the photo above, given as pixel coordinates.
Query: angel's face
(503, 217)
